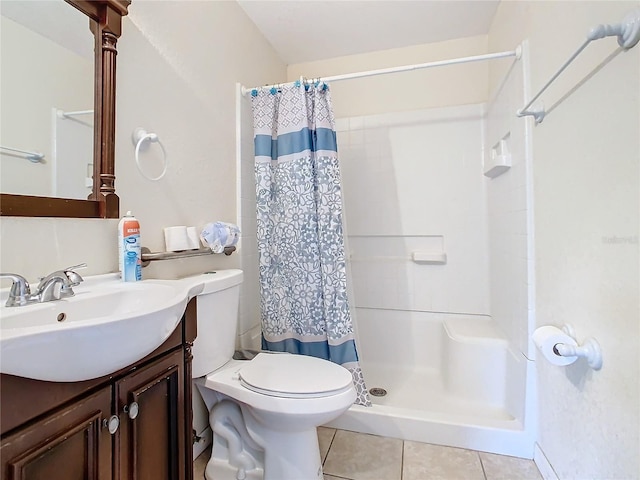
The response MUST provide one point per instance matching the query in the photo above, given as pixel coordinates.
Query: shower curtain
(304, 306)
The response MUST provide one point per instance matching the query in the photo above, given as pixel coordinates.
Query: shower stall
(438, 230)
(439, 270)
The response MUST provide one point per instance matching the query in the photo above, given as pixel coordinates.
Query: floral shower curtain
(299, 218)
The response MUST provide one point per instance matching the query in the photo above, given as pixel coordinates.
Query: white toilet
(263, 412)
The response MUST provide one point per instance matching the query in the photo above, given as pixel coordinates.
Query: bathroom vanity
(132, 424)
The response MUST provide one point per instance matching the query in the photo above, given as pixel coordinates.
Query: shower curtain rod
(406, 68)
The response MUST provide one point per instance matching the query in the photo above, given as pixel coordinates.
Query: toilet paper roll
(546, 338)
(176, 239)
(194, 238)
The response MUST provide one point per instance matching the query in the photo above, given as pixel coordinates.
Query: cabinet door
(152, 425)
(70, 444)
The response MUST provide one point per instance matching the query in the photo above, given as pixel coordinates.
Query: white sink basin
(106, 326)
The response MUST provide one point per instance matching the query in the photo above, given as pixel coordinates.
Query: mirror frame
(106, 25)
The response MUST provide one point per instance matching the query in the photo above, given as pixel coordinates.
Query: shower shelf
(148, 256)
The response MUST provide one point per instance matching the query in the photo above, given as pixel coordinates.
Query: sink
(106, 326)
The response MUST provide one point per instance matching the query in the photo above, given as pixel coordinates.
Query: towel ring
(139, 136)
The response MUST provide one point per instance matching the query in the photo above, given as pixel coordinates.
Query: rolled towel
(218, 235)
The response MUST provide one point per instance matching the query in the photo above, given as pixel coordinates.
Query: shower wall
(498, 208)
(439, 268)
(249, 332)
(413, 186)
(509, 200)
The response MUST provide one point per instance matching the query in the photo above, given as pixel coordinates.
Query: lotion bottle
(129, 255)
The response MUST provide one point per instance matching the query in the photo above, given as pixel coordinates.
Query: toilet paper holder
(589, 350)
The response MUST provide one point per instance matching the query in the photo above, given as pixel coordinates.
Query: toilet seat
(288, 376)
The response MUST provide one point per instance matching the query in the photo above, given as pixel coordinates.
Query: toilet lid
(294, 376)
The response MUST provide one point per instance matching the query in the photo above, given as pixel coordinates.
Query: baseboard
(545, 468)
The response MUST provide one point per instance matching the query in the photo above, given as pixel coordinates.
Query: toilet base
(287, 456)
(218, 469)
(292, 456)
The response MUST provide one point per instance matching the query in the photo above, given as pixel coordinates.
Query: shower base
(450, 380)
(417, 407)
(424, 390)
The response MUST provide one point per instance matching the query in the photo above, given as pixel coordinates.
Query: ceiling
(310, 30)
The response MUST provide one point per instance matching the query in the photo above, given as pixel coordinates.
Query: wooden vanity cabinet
(70, 444)
(54, 431)
(152, 426)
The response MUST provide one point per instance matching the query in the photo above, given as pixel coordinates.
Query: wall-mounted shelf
(148, 256)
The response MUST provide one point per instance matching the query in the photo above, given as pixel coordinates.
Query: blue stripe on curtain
(295, 142)
(343, 353)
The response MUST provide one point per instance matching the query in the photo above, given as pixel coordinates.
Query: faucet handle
(77, 267)
(74, 278)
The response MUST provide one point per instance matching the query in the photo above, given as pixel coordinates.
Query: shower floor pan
(424, 390)
(450, 380)
(417, 407)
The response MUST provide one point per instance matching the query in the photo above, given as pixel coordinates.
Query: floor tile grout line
(402, 462)
(333, 437)
(484, 472)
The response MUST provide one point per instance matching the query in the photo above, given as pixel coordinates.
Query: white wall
(586, 190)
(178, 63)
(435, 87)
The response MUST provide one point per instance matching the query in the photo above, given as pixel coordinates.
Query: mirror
(46, 120)
(98, 122)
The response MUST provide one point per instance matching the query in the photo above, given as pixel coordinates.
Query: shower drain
(377, 392)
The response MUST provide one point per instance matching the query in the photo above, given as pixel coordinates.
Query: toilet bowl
(263, 412)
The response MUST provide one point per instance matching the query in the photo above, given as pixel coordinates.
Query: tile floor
(356, 456)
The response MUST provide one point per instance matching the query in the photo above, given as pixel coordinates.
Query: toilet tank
(217, 311)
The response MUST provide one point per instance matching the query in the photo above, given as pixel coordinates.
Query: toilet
(263, 412)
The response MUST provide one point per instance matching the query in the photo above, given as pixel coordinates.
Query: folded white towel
(218, 235)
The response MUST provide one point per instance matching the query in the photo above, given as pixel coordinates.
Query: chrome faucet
(20, 293)
(54, 286)
(59, 284)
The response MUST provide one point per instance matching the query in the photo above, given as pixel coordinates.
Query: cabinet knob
(132, 410)
(112, 423)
